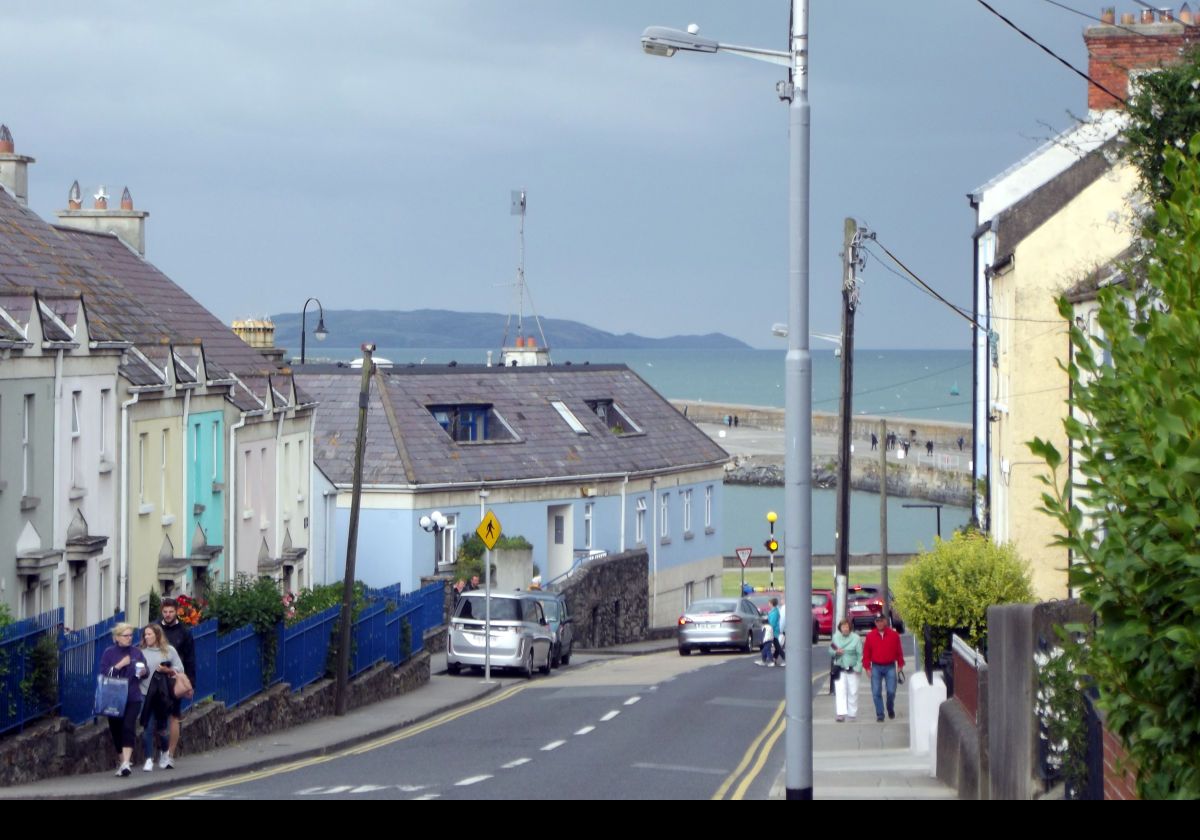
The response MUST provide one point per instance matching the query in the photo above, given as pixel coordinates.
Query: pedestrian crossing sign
(489, 530)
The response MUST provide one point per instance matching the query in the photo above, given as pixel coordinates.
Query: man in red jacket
(881, 655)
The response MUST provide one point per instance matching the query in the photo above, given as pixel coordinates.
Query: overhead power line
(1052, 53)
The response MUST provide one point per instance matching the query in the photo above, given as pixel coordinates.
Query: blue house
(579, 460)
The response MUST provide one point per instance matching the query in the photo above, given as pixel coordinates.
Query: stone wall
(609, 599)
(57, 747)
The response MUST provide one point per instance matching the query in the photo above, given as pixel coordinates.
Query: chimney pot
(6, 141)
(1166, 15)
(531, 342)
(101, 198)
(1127, 19)
(1108, 15)
(1185, 13)
(75, 197)
(1147, 16)
(126, 200)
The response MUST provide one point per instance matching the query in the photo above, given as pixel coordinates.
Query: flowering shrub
(1062, 712)
(189, 610)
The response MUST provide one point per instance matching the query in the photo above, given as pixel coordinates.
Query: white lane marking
(339, 789)
(609, 716)
(553, 745)
(369, 788)
(410, 788)
(425, 796)
(632, 700)
(585, 730)
(516, 763)
(473, 780)
(309, 791)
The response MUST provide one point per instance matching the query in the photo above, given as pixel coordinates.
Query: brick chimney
(1115, 51)
(125, 222)
(14, 168)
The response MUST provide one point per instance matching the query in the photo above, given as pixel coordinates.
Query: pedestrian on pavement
(874, 442)
(882, 654)
(960, 443)
(928, 447)
(768, 643)
(775, 620)
(474, 583)
(459, 586)
(180, 638)
(125, 662)
(158, 691)
(846, 648)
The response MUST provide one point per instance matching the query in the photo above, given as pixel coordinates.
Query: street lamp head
(665, 42)
(426, 522)
(772, 516)
(320, 332)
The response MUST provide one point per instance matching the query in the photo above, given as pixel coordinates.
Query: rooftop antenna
(517, 208)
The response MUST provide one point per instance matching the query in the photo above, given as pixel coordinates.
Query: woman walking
(125, 662)
(846, 649)
(158, 688)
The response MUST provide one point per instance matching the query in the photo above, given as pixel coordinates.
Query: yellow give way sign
(489, 530)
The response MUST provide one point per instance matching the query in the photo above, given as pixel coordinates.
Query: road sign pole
(489, 531)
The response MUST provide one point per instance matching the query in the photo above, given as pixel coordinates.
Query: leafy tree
(471, 551)
(1131, 516)
(952, 585)
(1164, 113)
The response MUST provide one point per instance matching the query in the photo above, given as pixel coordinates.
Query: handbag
(112, 694)
(183, 686)
(835, 670)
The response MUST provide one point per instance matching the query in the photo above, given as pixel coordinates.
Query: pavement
(863, 760)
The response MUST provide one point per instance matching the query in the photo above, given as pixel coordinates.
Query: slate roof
(406, 445)
(127, 298)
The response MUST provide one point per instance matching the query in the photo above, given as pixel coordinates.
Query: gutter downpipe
(234, 514)
(654, 553)
(624, 484)
(125, 458)
(312, 486)
(277, 547)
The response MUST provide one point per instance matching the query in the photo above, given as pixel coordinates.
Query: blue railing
(79, 655)
(17, 641)
(229, 667)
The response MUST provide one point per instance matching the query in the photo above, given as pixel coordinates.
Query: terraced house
(145, 446)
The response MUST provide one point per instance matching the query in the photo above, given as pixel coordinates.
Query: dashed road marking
(553, 745)
(632, 700)
(473, 780)
(609, 716)
(585, 730)
(516, 763)
(426, 796)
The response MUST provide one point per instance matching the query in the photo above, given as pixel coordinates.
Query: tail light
(683, 619)
(733, 619)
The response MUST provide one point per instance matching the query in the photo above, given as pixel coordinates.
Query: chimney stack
(126, 223)
(14, 168)
(1116, 51)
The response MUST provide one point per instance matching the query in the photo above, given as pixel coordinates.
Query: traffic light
(771, 545)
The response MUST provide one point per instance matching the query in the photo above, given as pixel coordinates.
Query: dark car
(762, 600)
(864, 601)
(562, 626)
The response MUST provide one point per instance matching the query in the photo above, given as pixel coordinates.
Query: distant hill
(436, 328)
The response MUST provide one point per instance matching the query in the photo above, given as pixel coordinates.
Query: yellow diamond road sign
(489, 530)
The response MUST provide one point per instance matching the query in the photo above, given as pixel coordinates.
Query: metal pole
(798, 415)
(846, 413)
(487, 596)
(883, 542)
(343, 672)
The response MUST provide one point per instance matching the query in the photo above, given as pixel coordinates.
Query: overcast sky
(364, 152)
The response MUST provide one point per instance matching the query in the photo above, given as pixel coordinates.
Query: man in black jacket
(180, 638)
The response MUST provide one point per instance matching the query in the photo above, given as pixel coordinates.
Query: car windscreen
(503, 609)
(713, 607)
(820, 600)
(551, 609)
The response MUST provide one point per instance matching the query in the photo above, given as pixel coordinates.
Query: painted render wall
(20, 377)
(255, 512)
(206, 494)
(1028, 384)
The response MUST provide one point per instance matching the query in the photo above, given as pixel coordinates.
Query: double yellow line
(403, 734)
(755, 758)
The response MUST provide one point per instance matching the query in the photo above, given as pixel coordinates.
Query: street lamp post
(320, 332)
(936, 507)
(798, 370)
(435, 523)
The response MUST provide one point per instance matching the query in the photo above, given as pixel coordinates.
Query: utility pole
(342, 686)
(883, 542)
(846, 410)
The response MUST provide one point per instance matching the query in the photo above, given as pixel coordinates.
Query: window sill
(688, 535)
(145, 509)
(709, 531)
(29, 503)
(168, 520)
(106, 466)
(247, 514)
(664, 541)
(76, 493)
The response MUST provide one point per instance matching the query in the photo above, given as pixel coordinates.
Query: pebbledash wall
(683, 551)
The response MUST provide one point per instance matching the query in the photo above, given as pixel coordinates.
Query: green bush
(40, 686)
(155, 606)
(6, 617)
(310, 602)
(254, 601)
(470, 554)
(953, 585)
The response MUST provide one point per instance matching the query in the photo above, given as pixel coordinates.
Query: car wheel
(898, 625)
(453, 668)
(545, 669)
(555, 656)
(816, 633)
(565, 658)
(685, 651)
(749, 648)
(528, 668)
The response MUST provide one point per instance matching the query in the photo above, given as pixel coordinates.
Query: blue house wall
(206, 471)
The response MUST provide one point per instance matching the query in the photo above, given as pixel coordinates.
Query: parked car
(720, 623)
(562, 627)
(865, 601)
(520, 634)
(822, 609)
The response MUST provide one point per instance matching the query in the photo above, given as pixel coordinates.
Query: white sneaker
(125, 769)
(759, 662)
(770, 664)
(165, 762)
(149, 765)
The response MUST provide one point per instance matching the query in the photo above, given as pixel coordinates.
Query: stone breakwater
(908, 481)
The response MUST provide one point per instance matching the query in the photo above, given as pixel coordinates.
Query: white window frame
(687, 511)
(587, 525)
(26, 444)
(639, 521)
(449, 543)
(142, 436)
(664, 516)
(708, 506)
(162, 474)
(216, 449)
(105, 397)
(569, 417)
(76, 435)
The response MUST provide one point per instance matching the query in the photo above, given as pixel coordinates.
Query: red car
(762, 600)
(864, 601)
(822, 610)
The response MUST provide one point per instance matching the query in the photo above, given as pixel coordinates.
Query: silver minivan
(520, 634)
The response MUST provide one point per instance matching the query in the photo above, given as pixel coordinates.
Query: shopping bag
(112, 693)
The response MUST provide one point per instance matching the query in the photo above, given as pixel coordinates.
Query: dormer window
(472, 423)
(614, 417)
